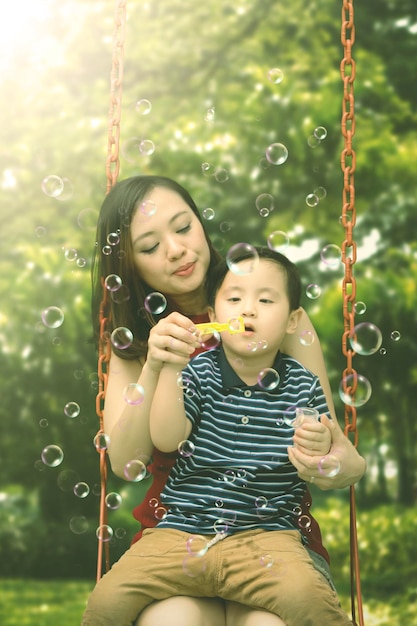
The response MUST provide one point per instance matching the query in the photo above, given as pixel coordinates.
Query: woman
(150, 239)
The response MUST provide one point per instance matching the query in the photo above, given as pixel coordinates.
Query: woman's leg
(240, 615)
(185, 611)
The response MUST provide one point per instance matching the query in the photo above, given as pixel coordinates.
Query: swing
(348, 220)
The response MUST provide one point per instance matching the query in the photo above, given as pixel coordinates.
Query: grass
(62, 602)
(42, 603)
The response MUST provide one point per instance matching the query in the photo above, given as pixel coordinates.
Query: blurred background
(209, 89)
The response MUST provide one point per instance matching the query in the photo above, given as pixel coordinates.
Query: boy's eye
(265, 300)
(233, 299)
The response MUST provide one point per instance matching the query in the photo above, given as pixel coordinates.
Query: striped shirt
(233, 473)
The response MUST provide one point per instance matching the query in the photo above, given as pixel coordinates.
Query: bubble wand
(233, 326)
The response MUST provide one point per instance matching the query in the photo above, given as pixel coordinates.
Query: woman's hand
(352, 465)
(172, 340)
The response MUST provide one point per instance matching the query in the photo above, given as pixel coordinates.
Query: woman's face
(170, 250)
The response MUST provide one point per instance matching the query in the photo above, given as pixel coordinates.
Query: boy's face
(260, 297)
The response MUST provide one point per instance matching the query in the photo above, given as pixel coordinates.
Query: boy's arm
(168, 422)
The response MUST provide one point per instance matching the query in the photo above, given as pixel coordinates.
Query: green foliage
(188, 57)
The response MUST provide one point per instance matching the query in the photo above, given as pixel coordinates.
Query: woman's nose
(175, 250)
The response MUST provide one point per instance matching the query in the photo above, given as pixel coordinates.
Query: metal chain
(350, 377)
(104, 350)
(348, 163)
(116, 82)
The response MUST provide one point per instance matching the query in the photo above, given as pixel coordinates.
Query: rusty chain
(349, 252)
(112, 172)
(116, 82)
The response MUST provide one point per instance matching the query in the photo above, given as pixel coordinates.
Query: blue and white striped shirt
(235, 474)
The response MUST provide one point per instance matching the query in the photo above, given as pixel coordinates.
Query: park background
(214, 108)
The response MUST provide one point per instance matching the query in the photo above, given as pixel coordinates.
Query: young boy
(232, 527)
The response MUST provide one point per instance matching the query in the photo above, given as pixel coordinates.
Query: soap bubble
(78, 524)
(331, 255)
(395, 335)
(113, 500)
(197, 545)
(155, 303)
(146, 147)
(160, 513)
(278, 240)
(355, 390)
(113, 239)
(147, 207)
(221, 175)
(276, 153)
(360, 308)
(266, 561)
(365, 339)
(313, 291)
(320, 192)
(210, 115)
(208, 213)
(307, 337)
(304, 413)
(87, 219)
(320, 133)
(135, 470)
(312, 200)
(275, 75)
(120, 295)
(101, 441)
(186, 448)
(122, 338)
(329, 466)
(81, 489)
(104, 533)
(67, 479)
(143, 106)
(193, 567)
(52, 456)
(304, 522)
(268, 379)
(52, 186)
(112, 282)
(133, 394)
(242, 258)
(265, 201)
(72, 409)
(208, 169)
(234, 323)
(52, 317)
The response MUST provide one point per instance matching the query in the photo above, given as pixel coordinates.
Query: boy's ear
(211, 314)
(295, 317)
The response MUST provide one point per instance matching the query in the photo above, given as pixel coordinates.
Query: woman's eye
(185, 229)
(149, 250)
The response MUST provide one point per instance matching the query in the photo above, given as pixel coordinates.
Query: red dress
(150, 511)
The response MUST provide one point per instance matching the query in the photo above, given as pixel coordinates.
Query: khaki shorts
(260, 569)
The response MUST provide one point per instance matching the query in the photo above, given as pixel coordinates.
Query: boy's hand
(313, 438)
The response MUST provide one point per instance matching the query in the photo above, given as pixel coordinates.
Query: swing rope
(348, 220)
(350, 378)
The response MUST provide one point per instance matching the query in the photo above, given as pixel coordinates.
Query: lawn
(61, 602)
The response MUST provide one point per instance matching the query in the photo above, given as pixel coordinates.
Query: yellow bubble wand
(233, 326)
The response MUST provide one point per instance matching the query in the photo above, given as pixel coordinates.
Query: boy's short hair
(292, 275)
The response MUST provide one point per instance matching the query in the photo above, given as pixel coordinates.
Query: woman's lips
(185, 270)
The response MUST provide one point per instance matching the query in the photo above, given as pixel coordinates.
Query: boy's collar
(231, 379)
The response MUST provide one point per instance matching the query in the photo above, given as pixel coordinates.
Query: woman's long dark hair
(113, 255)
